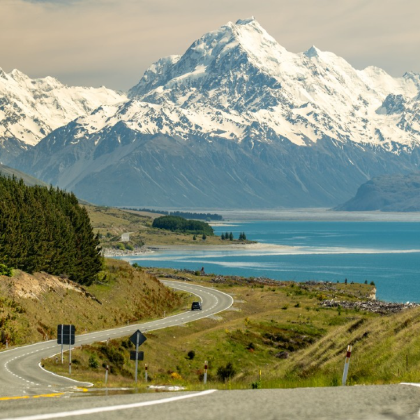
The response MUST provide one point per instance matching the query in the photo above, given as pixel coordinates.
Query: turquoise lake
(387, 253)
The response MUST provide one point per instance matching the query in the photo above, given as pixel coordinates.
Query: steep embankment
(31, 306)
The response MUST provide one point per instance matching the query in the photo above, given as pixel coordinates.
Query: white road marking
(110, 408)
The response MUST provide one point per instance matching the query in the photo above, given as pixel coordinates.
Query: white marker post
(106, 374)
(145, 372)
(7, 343)
(205, 372)
(62, 345)
(346, 365)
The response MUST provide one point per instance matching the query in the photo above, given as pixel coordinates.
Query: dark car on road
(196, 306)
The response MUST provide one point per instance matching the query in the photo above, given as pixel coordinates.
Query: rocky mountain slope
(238, 121)
(30, 109)
(387, 193)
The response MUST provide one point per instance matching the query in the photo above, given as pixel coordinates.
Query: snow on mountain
(31, 108)
(238, 120)
(241, 70)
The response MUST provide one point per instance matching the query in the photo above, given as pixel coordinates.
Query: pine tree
(45, 229)
(231, 236)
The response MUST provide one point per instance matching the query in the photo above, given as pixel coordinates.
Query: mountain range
(236, 121)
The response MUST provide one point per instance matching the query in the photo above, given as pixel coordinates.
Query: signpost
(137, 339)
(66, 335)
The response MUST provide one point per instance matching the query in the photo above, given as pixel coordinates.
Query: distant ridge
(399, 193)
(27, 179)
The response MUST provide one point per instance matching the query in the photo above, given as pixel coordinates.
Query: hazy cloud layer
(112, 42)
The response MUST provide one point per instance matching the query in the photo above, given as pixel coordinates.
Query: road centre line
(110, 408)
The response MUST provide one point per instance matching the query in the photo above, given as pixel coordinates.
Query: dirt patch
(34, 286)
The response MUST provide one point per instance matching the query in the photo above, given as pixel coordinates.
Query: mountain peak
(245, 21)
(312, 52)
(18, 75)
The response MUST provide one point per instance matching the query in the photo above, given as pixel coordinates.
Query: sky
(112, 42)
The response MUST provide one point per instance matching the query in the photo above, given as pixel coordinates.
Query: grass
(111, 223)
(275, 335)
(281, 332)
(31, 306)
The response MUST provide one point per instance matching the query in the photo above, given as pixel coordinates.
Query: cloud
(112, 42)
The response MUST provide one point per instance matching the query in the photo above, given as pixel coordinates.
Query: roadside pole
(137, 354)
(106, 374)
(62, 343)
(69, 358)
(346, 365)
(205, 372)
(145, 373)
(7, 343)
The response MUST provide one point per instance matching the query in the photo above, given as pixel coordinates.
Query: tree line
(45, 229)
(229, 236)
(184, 214)
(179, 224)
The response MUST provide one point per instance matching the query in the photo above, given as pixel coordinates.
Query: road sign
(140, 355)
(138, 338)
(65, 334)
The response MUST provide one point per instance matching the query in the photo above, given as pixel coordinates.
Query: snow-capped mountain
(239, 120)
(31, 108)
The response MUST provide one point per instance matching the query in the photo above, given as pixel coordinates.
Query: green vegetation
(179, 224)
(184, 214)
(31, 306)
(45, 229)
(110, 223)
(5, 270)
(281, 329)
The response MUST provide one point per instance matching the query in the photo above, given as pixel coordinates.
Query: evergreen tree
(223, 236)
(231, 236)
(45, 229)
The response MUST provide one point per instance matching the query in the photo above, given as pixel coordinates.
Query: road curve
(20, 370)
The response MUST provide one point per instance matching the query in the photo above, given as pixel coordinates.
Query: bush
(93, 362)
(191, 354)
(5, 271)
(226, 372)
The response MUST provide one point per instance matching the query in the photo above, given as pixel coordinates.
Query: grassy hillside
(111, 223)
(31, 306)
(282, 330)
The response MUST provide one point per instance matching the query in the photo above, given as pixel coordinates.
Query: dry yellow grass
(31, 306)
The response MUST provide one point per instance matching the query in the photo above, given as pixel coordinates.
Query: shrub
(191, 354)
(5, 270)
(93, 362)
(226, 372)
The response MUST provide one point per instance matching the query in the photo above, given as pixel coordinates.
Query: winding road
(22, 375)
(23, 383)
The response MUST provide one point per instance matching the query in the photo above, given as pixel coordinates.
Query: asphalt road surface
(335, 403)
(22, 375)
